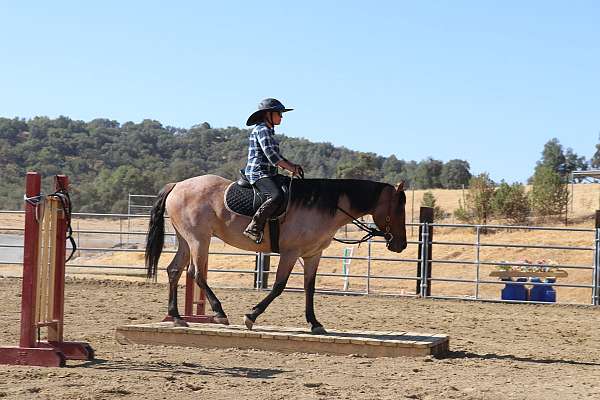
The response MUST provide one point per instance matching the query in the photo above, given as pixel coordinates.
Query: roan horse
(316, 210)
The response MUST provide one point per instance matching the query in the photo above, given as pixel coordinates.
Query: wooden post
(55, 332)
(30, 258)
(425, 217)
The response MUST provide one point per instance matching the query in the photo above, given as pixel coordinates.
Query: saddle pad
(239, 200)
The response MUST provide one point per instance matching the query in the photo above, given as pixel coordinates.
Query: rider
(263, 159)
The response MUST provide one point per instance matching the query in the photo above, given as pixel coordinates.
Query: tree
(574, 163)
(429, 200)
(511, 202)
(552, 156)
(595, 162)
(477, 207)
(427, 174)
(363, 168)
(549, 192)
(455, 173)
(392, 170)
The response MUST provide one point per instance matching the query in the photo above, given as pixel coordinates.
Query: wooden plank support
(286, 340)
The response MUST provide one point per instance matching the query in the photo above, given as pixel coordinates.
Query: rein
(370, 232)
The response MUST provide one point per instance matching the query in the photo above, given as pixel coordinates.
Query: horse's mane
(324, 194)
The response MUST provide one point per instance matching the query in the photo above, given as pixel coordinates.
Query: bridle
(370, 231)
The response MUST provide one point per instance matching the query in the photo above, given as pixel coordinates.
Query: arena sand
(498, 351)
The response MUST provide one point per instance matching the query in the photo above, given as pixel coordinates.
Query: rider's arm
(285, 164)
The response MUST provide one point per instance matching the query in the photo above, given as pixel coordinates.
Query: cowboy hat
(265, 106)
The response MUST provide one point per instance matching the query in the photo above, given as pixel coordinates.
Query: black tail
(156, 231)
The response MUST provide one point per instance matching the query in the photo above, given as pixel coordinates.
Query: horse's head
(389, 216)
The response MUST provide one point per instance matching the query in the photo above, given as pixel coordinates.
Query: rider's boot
(255, 230)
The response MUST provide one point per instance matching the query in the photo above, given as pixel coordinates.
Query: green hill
(107, 160)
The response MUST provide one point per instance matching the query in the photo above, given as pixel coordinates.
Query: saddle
(244, 199)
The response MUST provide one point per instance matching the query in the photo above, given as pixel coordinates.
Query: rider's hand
(298, 171)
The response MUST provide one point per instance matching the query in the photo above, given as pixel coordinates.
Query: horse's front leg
(310, 275)
(284, 269)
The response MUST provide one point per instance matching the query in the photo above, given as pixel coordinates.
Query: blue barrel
(513, 290)
(550, 293)
(537, 292)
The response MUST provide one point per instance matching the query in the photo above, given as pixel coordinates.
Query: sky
(489, 82)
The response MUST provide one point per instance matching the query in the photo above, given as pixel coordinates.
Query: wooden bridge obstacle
(42, 299)
(287, 340)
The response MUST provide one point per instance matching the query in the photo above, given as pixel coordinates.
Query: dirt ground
(498, 351)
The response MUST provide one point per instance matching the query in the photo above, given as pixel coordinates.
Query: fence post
(368, 288)
(261, 274)
(128, 217)
(265, 267)
(596, 274)
(477, 260)
(257, 272)
(425, 251)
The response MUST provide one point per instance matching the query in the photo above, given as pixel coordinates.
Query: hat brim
(256, 116)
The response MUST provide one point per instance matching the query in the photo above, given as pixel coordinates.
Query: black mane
(324, 194)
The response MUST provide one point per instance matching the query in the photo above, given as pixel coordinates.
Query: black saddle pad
(240, 200)
(244, 200)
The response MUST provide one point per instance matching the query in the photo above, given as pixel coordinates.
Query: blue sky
(485, 81)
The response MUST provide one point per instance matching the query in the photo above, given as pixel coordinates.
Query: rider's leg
(268, 187)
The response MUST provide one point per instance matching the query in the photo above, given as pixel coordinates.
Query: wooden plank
(287, 340)
(558, 273)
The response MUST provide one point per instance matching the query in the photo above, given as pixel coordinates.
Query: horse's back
(204, 180)
(193, 192)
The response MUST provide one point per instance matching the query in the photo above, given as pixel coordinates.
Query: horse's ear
(400, 186)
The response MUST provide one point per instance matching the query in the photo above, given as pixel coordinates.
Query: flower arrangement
(525, 265)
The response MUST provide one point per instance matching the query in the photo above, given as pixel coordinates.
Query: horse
(317, 208)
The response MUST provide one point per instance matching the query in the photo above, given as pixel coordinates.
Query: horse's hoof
(221, 320)
(248, 322)
(179, 322)
(318, 330)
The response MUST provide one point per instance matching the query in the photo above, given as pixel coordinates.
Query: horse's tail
(156, 231)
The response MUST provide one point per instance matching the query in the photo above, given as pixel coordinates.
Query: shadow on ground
(182, 369)
(510, 357)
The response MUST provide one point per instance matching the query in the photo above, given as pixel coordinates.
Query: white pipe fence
(425, 281)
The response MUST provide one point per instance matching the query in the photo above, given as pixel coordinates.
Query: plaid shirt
(263, 153)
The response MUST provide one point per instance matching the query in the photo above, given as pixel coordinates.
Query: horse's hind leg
(284, 269)
(200, 263)
(174, 270)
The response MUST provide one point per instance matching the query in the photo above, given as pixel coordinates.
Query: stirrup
(256, 237)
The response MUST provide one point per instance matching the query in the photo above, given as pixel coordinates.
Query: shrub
(549, 193)
(430, 201)
(511, 202)
(477, 207)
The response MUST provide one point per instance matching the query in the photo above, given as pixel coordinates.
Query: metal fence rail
(421, 259)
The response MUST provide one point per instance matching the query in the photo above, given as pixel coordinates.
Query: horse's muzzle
(397, 248)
